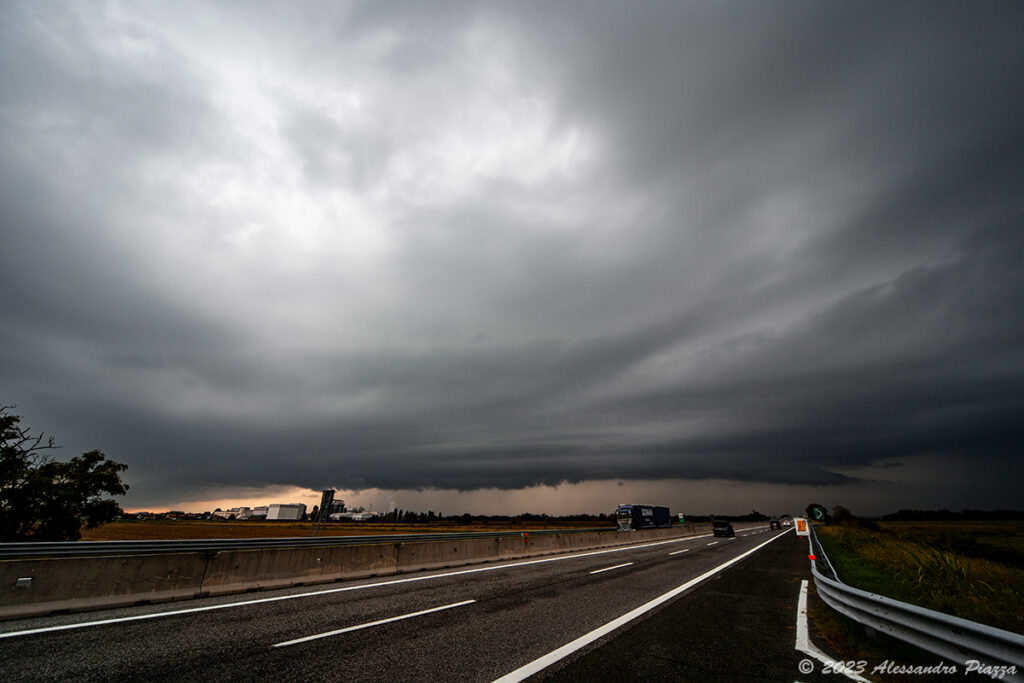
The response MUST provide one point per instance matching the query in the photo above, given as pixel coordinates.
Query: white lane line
(550, 658)
(392, 582)
(684, 550)
(713, 543)
(803, 640)
(608, 569)
(372, 624)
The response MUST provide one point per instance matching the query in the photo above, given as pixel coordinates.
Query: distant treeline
(949, 515)
(752, 516)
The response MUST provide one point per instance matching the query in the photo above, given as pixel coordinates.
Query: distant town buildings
(271, 512)
(241, 513)
(354, 516)
(274, 511)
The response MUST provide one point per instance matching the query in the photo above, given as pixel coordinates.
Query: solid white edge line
(608, 569)
(550, 658)
(803, 639)
(378, 584)
(371, 624)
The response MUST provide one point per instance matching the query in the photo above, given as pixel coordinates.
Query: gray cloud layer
(493, 245)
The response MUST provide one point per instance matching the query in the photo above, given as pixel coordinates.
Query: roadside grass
(971, 570)
(161, 530)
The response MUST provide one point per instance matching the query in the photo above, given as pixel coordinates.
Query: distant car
(722, 528)
(775, 524)
(787, 522)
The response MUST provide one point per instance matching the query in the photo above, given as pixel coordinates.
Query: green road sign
(818, 513)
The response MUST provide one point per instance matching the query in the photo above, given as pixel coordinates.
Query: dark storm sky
(497, 245)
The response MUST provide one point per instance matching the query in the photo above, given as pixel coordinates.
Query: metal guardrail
(95, 548)
(945, 635)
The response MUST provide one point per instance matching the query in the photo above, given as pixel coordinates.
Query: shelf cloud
(473, 246)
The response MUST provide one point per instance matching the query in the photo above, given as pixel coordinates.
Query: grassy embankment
(150, 530)
(973, 570)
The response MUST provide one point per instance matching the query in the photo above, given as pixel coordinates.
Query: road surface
(477, 623)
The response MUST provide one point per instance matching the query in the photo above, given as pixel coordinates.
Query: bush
(843, 517)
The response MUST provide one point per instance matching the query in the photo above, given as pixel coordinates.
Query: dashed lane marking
(372, 624)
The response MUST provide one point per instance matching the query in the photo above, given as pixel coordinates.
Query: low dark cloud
(501, 246)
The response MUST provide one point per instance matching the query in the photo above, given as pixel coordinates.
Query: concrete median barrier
(244, 570)
(35, 587)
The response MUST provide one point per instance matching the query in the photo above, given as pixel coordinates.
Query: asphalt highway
(475, 623)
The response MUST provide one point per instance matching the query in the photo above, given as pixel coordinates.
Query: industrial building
(286, 511)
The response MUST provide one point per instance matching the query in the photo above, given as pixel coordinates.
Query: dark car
(722, 528)
(775, 524)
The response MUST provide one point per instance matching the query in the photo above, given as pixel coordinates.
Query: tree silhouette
(42, 499)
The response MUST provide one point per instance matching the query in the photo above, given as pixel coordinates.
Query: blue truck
(630, 517)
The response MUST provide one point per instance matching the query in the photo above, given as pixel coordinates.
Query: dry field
(154, 530)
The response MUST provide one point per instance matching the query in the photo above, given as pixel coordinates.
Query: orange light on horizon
(291, 494)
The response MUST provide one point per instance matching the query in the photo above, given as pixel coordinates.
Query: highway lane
(741, 626)
(474, 623)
